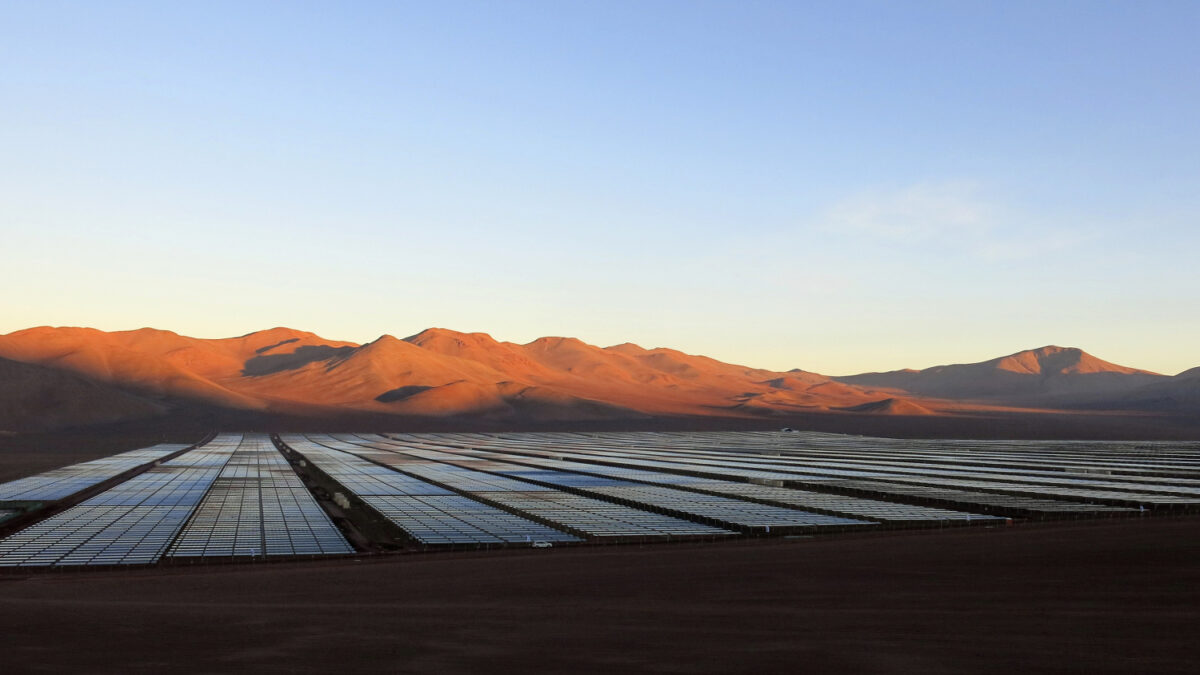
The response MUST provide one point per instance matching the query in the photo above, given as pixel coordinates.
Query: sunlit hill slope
(435, 373)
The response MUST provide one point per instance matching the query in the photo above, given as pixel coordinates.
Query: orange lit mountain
(435, 373)
(161, 362)
(62, 376)
(1058, 375)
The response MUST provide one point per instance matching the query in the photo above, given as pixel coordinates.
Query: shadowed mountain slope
(36, 398)
(891, 406)
(1176, 394)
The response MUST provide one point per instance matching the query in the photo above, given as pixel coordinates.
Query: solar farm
(254, 497)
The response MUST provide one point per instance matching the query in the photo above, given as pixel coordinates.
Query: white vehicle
(542, 544)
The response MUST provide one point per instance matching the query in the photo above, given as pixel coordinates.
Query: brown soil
(1097, 597)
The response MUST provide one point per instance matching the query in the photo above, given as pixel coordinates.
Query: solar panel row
(68, 480)
(604, 521)
(1014, 505)
(258, 507)
(452, 519)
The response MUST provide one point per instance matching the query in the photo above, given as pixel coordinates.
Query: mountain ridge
(445, 374)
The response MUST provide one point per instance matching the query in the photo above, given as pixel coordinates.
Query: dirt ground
(1084, 597)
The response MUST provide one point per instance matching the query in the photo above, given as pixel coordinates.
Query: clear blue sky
(837, 186)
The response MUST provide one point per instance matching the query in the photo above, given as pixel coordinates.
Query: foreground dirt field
(1097, 597)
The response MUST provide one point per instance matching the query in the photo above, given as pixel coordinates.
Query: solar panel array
(714, 515)
(68, 480)
(237, 496)
(721, 511)
(129, 524)
(1011, 479)
(429, 514)
(258, 507)
(839, 505)
(745, 512)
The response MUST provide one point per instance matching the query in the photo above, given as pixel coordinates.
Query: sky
(835, 186)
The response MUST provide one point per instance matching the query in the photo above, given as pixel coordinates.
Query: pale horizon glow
(837, 187)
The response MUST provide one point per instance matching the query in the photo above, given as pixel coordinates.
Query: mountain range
(57, 377)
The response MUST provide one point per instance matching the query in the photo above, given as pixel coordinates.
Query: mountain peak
(435, 335)
(1049, 371)
(481, 348)
(282, 338)
(627, 348)
(280, 332)
(382, 345)
(55, 330)
(1055, 360)
(146, 330)
(385, 339)
(555, 342)
(431, 332)
(1054, 349)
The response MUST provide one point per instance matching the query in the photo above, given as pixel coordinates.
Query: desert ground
(1095, 597)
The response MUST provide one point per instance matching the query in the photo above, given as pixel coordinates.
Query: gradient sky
(836, 186)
